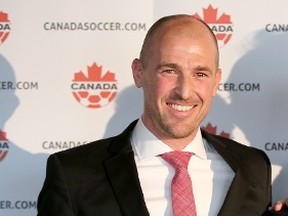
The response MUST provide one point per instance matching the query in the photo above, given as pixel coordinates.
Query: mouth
(180, 108)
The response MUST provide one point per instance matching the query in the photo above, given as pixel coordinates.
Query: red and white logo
(209, 128)
(221, 24)
(94, 89)
(4, 145)
(4, 27)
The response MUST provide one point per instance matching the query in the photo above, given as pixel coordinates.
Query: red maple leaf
(3, 17)
(2, 135)
(209, 128)
(94, 74)
(210, 16)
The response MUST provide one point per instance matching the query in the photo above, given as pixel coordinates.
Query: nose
(184, 87)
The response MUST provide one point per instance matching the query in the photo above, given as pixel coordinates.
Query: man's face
(179, 82)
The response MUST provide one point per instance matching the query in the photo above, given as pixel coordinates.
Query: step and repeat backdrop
(65, 80)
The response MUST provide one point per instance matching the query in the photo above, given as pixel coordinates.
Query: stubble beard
(171, 130)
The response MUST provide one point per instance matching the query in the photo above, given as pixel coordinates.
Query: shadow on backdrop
(129, 106)
(22, 173)
(260, 114)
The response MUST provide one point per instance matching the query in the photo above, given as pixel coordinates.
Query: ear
(137, 71)
(217, 80)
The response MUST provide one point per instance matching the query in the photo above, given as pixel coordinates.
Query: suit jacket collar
(126, 184)
(241, 182)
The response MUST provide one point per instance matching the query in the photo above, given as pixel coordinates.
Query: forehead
(185, 45)
(184, 26)
(191, 30)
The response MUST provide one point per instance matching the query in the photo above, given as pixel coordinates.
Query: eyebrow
(170, 65)
(176, 66)
(203, 68)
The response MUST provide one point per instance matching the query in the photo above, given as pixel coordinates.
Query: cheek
(164, 88)
(159, 87)
(151, 89)
(206, 92)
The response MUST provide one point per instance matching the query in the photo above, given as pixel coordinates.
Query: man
(178, 70)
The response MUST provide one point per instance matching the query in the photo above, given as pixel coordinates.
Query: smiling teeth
(180, 108)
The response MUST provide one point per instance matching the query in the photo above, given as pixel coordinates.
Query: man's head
(178, 71)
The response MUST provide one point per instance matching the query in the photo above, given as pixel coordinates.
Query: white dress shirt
(211, 176)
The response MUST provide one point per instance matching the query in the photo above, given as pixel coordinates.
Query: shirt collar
(146, 144)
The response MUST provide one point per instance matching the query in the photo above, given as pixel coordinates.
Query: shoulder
(237, 149)
(98, 150)
(87, 153)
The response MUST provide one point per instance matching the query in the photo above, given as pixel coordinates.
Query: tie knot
(177, 158)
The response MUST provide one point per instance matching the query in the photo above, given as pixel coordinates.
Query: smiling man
(178, 71)
(129, 174)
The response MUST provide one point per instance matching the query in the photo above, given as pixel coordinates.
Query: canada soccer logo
(4, 145)
(4, 27)
(94, 89)
(209, 128)
(221, 24)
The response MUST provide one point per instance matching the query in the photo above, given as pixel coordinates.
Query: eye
(168, 72)
(201, 74)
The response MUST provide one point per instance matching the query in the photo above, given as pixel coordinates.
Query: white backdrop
(52, 49)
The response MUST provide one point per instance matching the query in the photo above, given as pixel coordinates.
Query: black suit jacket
(100, 179)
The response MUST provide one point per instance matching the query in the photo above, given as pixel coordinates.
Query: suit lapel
(122, 172)
(235, 195)
(239, 186)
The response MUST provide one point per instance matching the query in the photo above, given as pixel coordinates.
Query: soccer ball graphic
(94, 100)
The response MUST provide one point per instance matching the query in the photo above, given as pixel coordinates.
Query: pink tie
(183, 203)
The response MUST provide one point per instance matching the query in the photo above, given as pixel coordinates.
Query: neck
(178, 144)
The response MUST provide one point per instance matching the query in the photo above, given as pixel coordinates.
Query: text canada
(276, 27)
(4, 27)
(4, 145)
(94, 86)
(274, 146)
(221, 28)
